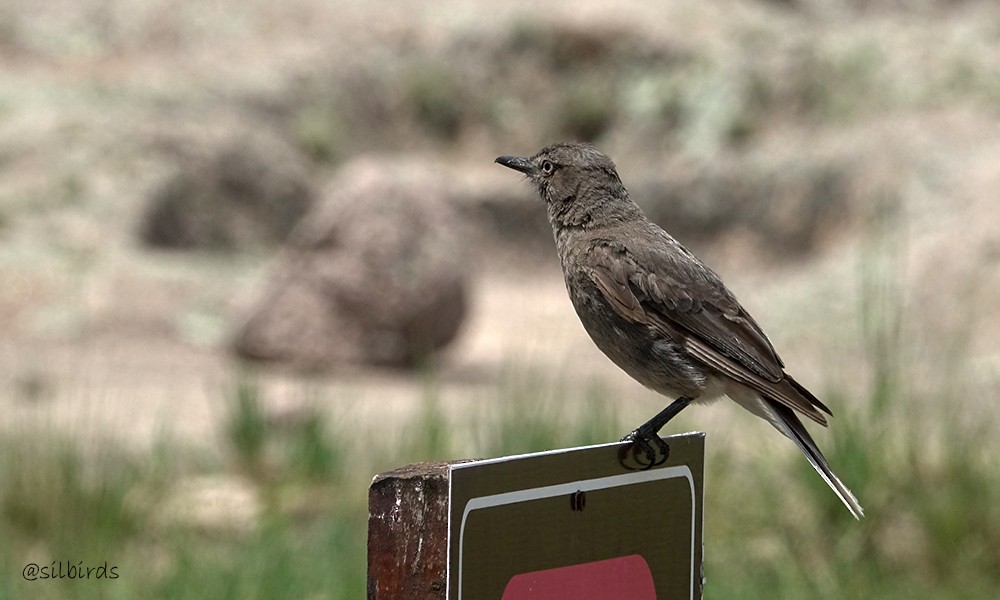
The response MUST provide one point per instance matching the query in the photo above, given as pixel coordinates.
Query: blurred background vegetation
(164, 165)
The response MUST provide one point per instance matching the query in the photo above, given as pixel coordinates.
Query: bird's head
(579, 184)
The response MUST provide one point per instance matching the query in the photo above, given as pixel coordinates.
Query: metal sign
(575, 524)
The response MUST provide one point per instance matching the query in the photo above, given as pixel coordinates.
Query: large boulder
(778, 205)
(245, 190)
(375, 274)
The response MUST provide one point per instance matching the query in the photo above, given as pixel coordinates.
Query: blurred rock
(773, 205)
(506, 214)
(243, 191)
(782, 206)
(375, 274)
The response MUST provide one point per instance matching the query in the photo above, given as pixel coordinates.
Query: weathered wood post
(408, 533)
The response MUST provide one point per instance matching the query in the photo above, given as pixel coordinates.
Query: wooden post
(408, 533)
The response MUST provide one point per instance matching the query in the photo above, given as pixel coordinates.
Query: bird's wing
(673, 292)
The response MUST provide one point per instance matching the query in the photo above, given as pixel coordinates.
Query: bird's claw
(647, 450)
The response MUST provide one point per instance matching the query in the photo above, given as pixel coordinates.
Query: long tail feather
(787, 423)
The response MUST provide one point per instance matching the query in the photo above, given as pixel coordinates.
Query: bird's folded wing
(686, 302)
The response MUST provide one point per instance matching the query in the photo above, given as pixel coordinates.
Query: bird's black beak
(518, 163)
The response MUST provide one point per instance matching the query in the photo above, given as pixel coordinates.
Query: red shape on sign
(612, 579)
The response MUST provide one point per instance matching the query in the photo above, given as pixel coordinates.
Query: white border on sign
(561, 489)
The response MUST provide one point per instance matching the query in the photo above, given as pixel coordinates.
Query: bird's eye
(548, 167)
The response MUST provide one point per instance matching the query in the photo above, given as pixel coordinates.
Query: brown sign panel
(576, 524)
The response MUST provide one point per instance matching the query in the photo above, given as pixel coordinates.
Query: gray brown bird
(657, 311)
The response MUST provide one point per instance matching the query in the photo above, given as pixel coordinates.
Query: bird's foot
(647, 450)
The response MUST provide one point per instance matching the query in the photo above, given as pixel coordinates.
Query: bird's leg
(646, 436)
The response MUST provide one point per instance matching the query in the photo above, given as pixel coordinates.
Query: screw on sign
(613, 579)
